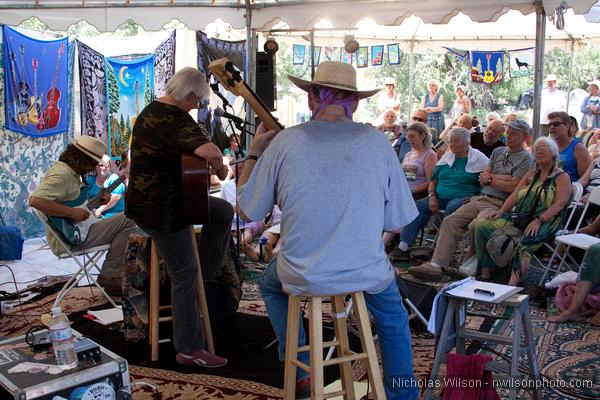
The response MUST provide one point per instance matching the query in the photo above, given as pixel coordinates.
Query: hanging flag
(362, 57)
(331, 53)
(487, 66)
(462, 55)
(299, 53)
(346, 57)
(36, 78)
(164, 64)
(377, 55)
(129, 88)
(317, 56)
(394, 54)
(93, 93)
(522, 62)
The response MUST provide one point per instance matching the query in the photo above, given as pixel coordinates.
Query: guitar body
(51, 113)
(195, 184)
(35, 110)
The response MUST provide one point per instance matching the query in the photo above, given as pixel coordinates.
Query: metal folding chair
(86, 259)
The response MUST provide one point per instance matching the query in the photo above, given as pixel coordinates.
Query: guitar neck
(95, 202)
(259, 107)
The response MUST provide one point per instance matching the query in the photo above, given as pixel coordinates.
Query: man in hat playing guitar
(63, 183)
(339, 185)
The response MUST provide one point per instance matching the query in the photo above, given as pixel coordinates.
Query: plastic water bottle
(62, 340)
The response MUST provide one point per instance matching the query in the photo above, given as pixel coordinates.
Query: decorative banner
(129, 88)
(299, 53)
(317, 56)
(462, 55)
(36, 81)
(376, 55)
(164, 64)
(210, 49)
(522, 62)
(487, 66)
(394, 54)
(346, 57)
(331, 54)
(362, 57)
(92, 78)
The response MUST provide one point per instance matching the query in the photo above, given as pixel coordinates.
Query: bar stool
(456, 315)
(154, 310)
(344, 355)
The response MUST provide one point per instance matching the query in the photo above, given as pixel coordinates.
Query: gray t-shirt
(504, 162)
(339, 185)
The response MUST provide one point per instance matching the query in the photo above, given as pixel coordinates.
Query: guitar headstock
(220, 69)
(34, 63)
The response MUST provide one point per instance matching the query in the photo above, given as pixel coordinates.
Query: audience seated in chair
(498, 180)
(271, 235)
(103, 178)
(489, 140)
(539, 201)
(573, 155)
(589, 281)
(455, 178)
(62, 183)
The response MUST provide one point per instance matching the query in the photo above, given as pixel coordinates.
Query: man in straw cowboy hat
(63, 182)
(339, 185)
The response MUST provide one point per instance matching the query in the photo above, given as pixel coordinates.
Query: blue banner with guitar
(36, 77)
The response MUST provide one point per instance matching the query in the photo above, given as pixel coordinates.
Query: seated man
(489, 140)
(389, 126)
(574, 157)
(507, 166)
(332, 233)
(62, 183)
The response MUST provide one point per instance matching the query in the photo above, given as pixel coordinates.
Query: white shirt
(554, 100)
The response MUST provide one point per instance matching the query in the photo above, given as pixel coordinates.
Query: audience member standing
(553, 99)
(462, 104)
(591, 107)
(388, 98)
(433, 103)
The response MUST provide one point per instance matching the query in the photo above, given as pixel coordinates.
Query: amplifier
(26, 375)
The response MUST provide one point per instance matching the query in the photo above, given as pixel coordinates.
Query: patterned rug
(175, 385)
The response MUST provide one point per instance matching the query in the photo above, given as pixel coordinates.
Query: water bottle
(262, 242)
(62, 340)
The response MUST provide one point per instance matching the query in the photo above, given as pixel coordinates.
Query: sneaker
(427, 271)
(400, 255)
(201, 358)
(303, 389)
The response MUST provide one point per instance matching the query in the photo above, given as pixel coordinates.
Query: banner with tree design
(129, 88)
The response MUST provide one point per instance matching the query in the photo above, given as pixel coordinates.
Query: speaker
(419, 294)
(266, 85)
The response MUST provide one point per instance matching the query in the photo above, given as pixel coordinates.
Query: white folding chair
(86, 259)
(576, 193)
(579, 240)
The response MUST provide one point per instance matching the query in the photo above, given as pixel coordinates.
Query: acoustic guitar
(195, 186)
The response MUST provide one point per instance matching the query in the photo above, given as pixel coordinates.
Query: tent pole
(570, 73)
(411, 66)
(249, 76)
(540, 37)
(312, 54)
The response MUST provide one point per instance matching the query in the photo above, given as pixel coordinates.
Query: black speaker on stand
(266, 85)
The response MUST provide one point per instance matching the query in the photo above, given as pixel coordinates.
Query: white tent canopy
(107, 15)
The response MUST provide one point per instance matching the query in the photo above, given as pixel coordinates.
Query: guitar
(35, 108)
(23, 88)
(75, 233)
(230, 78)
(51, 114)
(15, 113)
(195, 184)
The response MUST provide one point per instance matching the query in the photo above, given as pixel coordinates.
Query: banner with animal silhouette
(522, 62)
(36, 82)
(129, 88)
(487, 66)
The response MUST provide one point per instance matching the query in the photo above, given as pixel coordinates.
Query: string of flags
(487, 67)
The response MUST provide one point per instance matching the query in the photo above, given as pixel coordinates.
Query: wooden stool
(154, 318)
(456, 314)
(344, 355)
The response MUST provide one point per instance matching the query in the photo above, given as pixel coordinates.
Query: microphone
(215, 89)
(219, 112)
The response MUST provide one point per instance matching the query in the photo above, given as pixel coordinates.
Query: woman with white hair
(462, 104)
(433, 103)
(590, 107)
(492, 116)
(539, 201)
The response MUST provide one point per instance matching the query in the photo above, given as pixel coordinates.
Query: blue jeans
(391, 322)
(410, 231)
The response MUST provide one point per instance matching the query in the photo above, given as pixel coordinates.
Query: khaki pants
(455, 225)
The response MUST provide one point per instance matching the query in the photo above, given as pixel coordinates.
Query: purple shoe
(201, 358)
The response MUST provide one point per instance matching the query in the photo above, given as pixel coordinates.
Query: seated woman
(455, 178)
(230, 152)
(588, 283)
(270, 236)
(103, 179)
(539, 199)
(418, 165)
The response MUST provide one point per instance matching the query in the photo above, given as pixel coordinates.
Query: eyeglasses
(419, 119)
(556, 123)
(505, 161)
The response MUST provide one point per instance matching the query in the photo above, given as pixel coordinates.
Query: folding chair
(86, 259)
(579, 240)
(576, 193)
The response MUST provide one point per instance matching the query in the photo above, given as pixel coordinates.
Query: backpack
(501, 244)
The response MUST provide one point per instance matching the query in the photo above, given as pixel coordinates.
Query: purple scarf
(327, 96)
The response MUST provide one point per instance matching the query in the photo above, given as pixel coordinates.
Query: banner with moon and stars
(129, 88)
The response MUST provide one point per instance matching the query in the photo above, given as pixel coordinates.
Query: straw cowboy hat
(93, 148)
(595, 82)
(334, 74)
